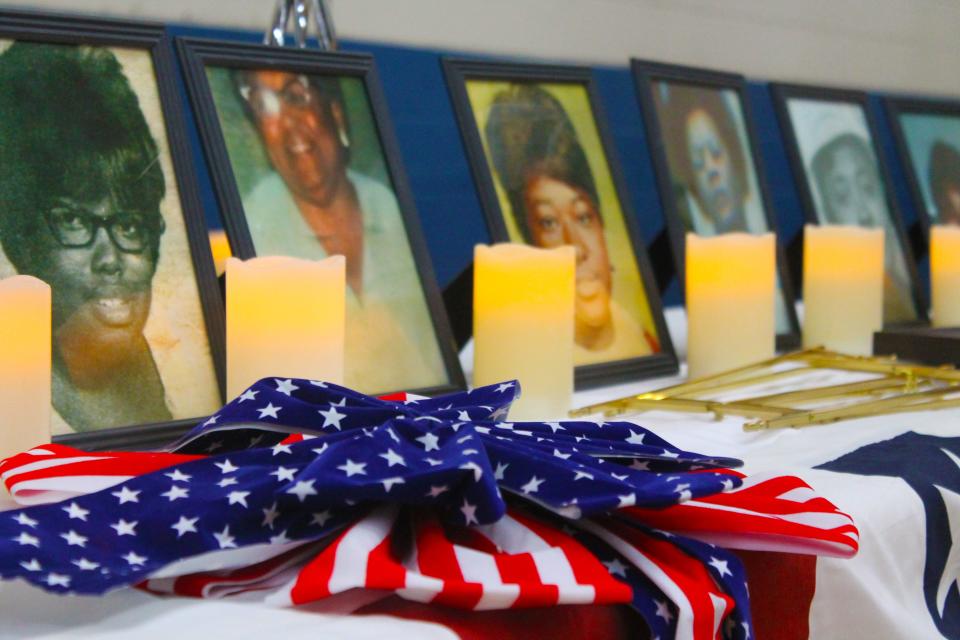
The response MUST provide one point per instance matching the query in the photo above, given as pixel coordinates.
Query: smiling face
(712, 166)
(300, 130)
(80, 198)
(850, 185)
(559, 214)
(100, 263)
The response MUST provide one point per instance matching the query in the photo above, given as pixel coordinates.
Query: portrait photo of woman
(707, 151)
(931, 136)
(844, 178)
(314, 182)
(553, 200)
(713, 179)
(554, 187)
(89, 204)
(944, 181)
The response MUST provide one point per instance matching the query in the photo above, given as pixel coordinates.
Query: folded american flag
(301, 491)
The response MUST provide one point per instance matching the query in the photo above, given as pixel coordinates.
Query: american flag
(301, 490)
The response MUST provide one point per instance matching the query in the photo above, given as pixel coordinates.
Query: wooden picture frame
(395, 212)
(596, 178)
(155, 263)
(904, 300)
(678, 198)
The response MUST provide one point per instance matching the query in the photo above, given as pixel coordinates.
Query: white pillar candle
(285, 318)
(842, 287)
(219, 249)
(24, 364)
(730, 289)
(945, 275)
(523, 325)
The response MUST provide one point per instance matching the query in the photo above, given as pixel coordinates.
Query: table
(875, 595)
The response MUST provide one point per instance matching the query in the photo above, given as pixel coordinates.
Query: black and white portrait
(843, 175)
(89, 204)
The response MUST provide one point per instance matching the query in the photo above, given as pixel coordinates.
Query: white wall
(909, 45)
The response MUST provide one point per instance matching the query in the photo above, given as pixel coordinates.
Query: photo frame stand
(896, 387)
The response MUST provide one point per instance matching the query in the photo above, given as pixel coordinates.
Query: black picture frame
(895, 107)
(458, 72)
(645, 74)
(782, 94)
(70, 29)
(196, 54)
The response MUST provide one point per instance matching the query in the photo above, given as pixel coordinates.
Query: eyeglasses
(129, 232)
(295, 94)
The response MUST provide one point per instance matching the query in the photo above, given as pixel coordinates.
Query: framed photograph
(927, 133)
(543, 165)
(707, 165)
(97, 199)
(304, 164)
(842, 179)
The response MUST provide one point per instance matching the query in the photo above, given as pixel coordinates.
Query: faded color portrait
(843, 175)
(314, 182)
(933, 143)
(715, 185)
(554, 187)
(89, 204)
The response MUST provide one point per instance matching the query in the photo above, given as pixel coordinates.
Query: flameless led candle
(523, 325)
(842, 287)
(731, 284)
(285, 318)
(24, 364)
(220, 248)
(945, 275)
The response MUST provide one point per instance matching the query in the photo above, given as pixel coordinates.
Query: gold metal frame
(898, 387)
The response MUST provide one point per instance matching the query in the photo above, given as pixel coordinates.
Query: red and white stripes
(766, 513)
(55, 472)
(515, 563)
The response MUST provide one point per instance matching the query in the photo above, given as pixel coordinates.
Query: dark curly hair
(70, 124)
(529, 134)
(944, 174)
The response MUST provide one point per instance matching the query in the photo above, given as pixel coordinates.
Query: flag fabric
(303, 491)
(55, 472)
(767, 512)
(929, 465)
(897, 476)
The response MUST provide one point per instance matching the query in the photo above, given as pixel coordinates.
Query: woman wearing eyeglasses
(313, 204)
(80, 195)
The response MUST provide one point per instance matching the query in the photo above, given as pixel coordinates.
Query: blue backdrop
(436, 162)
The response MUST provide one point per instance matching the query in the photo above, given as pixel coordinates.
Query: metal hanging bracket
(303, 14)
